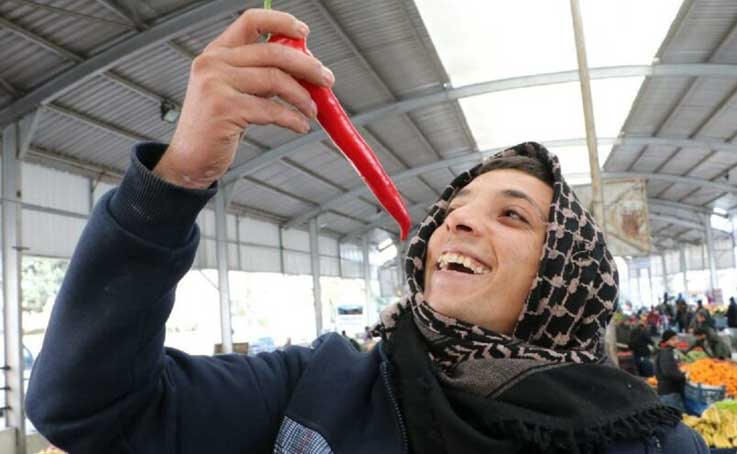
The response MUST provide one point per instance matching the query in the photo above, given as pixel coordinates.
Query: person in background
(667, 310)
(671, 381)
(653, 321)
(707, 316)
(640, 343)
(713, 345)
(732, 313)
(700, 320)
(681, 315)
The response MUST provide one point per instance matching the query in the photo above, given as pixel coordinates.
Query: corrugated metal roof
(26, 65)
(160, 69)
(386, 35)
(703, 107)
(72, 138)
(77, 34)
(108, 101)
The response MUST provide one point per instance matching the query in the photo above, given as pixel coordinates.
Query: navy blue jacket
(104, 382)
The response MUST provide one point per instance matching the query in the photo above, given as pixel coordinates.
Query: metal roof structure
(698, 109)
(99, 86)
(88, 78)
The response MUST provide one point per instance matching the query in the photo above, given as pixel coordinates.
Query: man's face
(673, 341)
(482, 260)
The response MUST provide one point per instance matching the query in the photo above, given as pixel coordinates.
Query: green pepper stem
(267, 6)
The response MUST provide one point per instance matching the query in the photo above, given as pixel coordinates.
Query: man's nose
(462, 220)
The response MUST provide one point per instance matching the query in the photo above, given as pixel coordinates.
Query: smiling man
(482, 259)
(496, 348)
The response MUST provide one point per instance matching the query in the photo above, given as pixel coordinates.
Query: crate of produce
(717, 427)
(697, 396)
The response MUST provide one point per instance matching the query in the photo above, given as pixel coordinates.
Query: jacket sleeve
(104, 382)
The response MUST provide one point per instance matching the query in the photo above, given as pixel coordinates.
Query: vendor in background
(702, 319)
(732, 313)
(653, 321)
(709, 340)
(683, 316)
(640, 342)
(671, 381)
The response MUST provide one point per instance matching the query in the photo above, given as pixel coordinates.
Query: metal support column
(340, 262)
(684, 267)
(628, 263)
(371, 310)
(400, 264)
(90, 195)
(713, 278)
(597, 193)
(734, 240)
(650, 283)
(221, 249)
(11, 254)
(665, 274)
(281, 250)
(238, 242)
(315, 261)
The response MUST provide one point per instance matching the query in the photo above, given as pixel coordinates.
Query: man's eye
(515, 215)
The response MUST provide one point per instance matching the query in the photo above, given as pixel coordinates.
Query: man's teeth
(468, 262)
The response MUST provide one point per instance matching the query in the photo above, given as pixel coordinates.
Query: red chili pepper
(338, 126)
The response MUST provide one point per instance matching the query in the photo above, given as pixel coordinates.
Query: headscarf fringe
(638, 426)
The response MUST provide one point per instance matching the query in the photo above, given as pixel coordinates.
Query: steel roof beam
(453, 94)
(116, 9)
(683, 206)
(101, 62)
(67, 12)
(371, 70)
(279, 191)
(99, 124)
(473, 158)
(722, 174)
(677, 221)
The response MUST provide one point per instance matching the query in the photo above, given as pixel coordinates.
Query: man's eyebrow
(516, 194)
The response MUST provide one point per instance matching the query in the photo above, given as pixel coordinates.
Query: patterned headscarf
(564, 317)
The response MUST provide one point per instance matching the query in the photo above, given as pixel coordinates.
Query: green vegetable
(727, 404)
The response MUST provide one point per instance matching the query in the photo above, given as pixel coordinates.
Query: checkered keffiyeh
(567, 309)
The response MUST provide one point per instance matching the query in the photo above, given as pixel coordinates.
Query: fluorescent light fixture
(169, 112)
(720, 211)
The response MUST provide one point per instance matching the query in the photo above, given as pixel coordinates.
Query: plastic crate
(698, 397)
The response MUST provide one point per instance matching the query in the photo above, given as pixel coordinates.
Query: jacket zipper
(658, 446)
(397, 412)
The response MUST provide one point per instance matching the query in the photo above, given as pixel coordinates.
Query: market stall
(709, 398)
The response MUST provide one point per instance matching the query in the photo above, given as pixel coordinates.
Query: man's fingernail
(303, 29)
(328, 75)
(313, 109)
